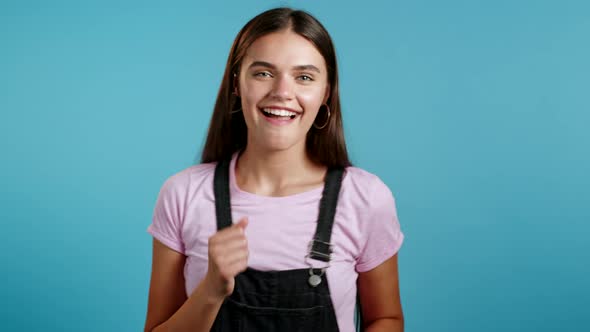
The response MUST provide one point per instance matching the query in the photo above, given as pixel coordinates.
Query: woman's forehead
(284, 49)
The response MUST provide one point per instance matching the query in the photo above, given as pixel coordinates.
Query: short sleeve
(382, 236)
(168, 213)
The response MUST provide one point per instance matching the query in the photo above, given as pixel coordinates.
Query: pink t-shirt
(366, 230)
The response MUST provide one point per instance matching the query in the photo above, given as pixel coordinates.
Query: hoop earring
(327, 119)
(239, 109)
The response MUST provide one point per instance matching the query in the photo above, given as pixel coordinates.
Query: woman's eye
(263, 74)
(305, 78)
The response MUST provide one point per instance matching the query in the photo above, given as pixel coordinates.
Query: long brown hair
(227, 129)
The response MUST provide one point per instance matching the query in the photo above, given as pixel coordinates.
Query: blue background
(475, 113)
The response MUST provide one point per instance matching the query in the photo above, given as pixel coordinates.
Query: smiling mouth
(278, 114)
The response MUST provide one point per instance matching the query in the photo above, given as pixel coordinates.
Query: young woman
(275, 230)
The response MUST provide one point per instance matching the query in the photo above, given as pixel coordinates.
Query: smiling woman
(275, 230)
(282, 86)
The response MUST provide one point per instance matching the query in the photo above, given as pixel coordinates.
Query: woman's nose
(282, 88)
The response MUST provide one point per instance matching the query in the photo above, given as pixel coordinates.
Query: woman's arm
(380, 298)
(168, 307)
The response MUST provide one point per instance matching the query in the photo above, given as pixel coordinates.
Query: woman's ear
(327, 94)
(235, 81)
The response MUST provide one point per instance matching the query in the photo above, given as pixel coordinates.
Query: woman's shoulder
(360, 174)
(190, 177)
(367, 185)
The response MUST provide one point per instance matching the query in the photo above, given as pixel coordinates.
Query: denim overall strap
(222, 198)
(320, 248)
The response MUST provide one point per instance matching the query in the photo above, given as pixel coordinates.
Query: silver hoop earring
(327, 119)
(235, 111)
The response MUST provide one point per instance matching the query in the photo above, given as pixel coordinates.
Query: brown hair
(227, 129)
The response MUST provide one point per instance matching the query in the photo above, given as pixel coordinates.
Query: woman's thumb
(243, 223)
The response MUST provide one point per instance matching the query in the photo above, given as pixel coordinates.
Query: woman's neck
(277, 173)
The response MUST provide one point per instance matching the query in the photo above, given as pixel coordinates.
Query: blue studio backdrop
(475, 113)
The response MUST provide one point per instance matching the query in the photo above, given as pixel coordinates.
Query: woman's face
(282, 83)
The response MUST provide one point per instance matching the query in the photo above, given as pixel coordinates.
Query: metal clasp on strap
(315, 279)
(319, 250)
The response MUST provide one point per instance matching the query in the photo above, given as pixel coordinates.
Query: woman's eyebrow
(307, 67)
(271, 66)
(262, 64)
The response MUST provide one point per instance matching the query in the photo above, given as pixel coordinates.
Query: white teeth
(278, 112)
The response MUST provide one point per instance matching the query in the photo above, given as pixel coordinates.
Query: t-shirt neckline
(244, 196)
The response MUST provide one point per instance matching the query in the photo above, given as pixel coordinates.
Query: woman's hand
(228, 256)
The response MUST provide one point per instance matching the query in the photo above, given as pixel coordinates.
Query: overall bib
(285, 301)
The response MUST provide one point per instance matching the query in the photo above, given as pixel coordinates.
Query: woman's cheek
(311, 102)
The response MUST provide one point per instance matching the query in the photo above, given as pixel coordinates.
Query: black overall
(285, 301)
